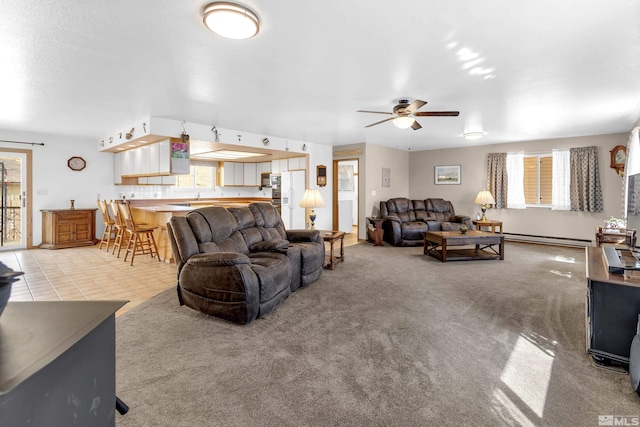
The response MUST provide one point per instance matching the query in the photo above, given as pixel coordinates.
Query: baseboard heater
(547, 240)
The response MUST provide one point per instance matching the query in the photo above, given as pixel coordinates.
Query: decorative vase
(73, 204)
(463, 230)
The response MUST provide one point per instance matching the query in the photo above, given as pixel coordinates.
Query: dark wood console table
(57, 363)
(612, 308)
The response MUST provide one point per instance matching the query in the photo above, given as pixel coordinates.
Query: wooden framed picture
(447, 175)
(386, 177)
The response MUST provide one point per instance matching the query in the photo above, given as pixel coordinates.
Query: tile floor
(88, 273)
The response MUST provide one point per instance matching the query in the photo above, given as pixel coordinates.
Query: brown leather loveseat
(240, 263)
(407, 220)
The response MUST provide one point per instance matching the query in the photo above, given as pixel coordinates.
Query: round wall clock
(76, 163)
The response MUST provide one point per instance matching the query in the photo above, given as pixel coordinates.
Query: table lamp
(484, 198)
(312, 199)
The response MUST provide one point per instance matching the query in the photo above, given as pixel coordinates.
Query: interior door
(13, 200)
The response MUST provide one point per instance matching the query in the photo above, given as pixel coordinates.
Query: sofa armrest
(459, 218)
(302, 235)
(218, 259)
(394, 218)
(272, 245)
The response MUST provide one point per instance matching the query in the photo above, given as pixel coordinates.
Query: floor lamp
(312, 199)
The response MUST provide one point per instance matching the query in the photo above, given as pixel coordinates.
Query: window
(200, 176)
(538, 179)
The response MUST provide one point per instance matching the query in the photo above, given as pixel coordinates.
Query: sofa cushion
(406, 216)
(422, 216)
(398, 205)
(273, 271)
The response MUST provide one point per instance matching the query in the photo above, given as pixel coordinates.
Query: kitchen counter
(158, 212)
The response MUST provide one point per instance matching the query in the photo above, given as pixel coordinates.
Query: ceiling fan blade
(376, 112)
(437, 113)
(381, 121)
(416, 125)
(415, 106)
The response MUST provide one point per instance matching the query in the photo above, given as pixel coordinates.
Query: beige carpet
(391, 337)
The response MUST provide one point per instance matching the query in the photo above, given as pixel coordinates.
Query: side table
(331, 237)
(617, 237)
(377, 233)
(487, 223)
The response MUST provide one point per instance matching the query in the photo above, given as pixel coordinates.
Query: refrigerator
(293, 186)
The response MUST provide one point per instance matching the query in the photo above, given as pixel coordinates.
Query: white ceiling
(519, 70)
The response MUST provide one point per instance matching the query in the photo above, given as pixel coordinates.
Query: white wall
(533, 221)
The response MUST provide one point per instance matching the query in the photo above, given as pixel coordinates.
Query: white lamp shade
(312, 199)
(231, 20)
(403, 122)
(484, 198)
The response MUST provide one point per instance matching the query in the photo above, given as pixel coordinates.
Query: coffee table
(438, 245)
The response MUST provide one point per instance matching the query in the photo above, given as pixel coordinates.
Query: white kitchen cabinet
(284, 165)
(118, 158)
(297, 163)
(239, 174)
(232, 174)
(164, 156)
(250, 173)
(264, 167)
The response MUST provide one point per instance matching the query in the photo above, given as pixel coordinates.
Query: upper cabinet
(246, 174)
(153, 160)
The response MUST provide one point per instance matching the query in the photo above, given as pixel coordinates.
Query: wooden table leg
(444, 250)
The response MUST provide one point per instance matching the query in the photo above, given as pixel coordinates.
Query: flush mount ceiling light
(473, 135)
(403, 122)
(231, 20)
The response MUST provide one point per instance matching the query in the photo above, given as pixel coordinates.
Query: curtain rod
(21, 142)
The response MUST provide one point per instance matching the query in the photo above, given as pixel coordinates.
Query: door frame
(336, 162)
(27, 211)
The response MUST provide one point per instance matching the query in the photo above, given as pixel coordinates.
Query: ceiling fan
(404, 114)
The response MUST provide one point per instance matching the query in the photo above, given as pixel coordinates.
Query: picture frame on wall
(386, 177)
(447, 175)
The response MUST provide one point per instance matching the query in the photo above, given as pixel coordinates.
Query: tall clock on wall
(618, 158)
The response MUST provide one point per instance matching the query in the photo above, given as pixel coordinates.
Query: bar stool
(110, 231)
(141, 240)
(121, 229)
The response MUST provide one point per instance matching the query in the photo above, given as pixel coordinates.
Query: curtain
(497, 183)
(561, 181)
(586, 193)
(632, 165)
(515, 174)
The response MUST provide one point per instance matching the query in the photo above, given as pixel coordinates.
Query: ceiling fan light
(473, 135)
(231, 20)
(403, 122)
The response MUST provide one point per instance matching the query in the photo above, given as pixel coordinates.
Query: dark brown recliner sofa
(406, 220)
(240, 263)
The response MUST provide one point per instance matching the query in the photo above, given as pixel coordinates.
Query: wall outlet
(373, 192)
(42, 192)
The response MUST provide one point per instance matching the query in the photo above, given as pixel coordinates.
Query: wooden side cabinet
(68, 228)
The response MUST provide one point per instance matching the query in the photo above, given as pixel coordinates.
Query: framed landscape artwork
(446, 175)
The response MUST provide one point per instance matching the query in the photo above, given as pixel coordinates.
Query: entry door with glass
(12, 200)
